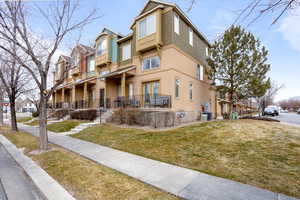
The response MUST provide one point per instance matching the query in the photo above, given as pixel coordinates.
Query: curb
(49, 187)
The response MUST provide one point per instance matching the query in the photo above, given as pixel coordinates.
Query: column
(73, 96)
(63, 96)
(85, 95)
(123, 85)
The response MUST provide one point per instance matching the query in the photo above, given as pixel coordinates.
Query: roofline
(180, 11)
(127, 37)
(118, 34)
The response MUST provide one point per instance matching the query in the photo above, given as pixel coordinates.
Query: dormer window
(102, 47)
(147, 26)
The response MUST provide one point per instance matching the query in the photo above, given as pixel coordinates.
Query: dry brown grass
(84, 178)
(263, 154)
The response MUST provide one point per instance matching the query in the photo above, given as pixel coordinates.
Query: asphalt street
(291, 118)
(15, 184)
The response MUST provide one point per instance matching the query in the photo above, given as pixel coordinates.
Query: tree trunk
(1, 110)
(13, 116)
(43, 123)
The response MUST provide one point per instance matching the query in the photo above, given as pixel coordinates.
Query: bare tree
(1, 104)
(15, 81)
(268, 98)
(258, 8)
(62, 19)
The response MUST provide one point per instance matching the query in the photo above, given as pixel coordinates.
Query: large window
(126, 52)
(177, 88)
(147, 26)
(200, 72)
(151, 63)
(191, 91)
(91, 64)
(102, 47)
(191, 36)
(176, 23)
(75, 58)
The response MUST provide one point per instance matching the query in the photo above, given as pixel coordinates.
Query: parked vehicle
(284, 111)
(272, 110)
(298, 112)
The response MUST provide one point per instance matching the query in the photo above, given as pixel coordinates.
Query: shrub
(61, 113)
(89, 114)
(35, 114)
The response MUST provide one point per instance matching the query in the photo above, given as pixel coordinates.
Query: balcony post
(63, 97)
(85, 95)
(123, 84)
(73, 95)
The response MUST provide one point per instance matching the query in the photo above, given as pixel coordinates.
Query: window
(147, 26)
(151, 63)
(200, 72)
(130, 90)
(156, 88)
(126, 52)
(176, 23)
(191, 36)
(191, 91)
(102, 47)
(206, 51)
(75, 59)
(91, 64)
(177, 85)
(103, 73)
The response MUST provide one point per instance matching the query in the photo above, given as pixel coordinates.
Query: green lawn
(24, 119)
(64, 126)
(82, 177)
(263, 154)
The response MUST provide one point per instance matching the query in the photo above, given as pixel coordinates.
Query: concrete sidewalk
(182, 182)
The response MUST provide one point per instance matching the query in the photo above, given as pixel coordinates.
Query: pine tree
(238, 65)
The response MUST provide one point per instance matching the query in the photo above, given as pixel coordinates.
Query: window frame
(176, 24)
(128, 45)
(147, 27)
(206, 51)
(102, 42)
(177, 88)
(191, 91)
(191, 36)
(200, 72)
(150, 63)
(91, 58)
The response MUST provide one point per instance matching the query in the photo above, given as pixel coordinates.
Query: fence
(135, 101)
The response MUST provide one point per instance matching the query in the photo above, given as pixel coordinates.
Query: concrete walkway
(182, 182)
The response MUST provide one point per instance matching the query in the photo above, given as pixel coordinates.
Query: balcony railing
(136, 101)
(141, 101)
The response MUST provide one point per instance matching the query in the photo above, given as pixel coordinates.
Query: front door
(102, 99)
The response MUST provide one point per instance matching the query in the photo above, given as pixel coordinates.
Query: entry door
(102, 94)
(150, 89)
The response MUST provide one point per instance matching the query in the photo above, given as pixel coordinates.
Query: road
(291, 118)
(15, 184)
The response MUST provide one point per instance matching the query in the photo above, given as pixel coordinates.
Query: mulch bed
(260, 118)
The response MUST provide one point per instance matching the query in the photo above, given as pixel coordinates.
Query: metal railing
(142, 101)
(135, 101)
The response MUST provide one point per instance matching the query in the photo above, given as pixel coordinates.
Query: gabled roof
(83, 49)
(65, 58)
(108, 31)
(178, 9)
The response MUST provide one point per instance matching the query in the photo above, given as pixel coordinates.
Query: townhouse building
(161, 64)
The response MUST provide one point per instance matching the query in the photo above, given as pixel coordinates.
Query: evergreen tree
(238, 65)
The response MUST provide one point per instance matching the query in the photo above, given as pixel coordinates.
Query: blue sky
(212, 17)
